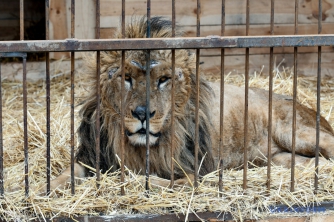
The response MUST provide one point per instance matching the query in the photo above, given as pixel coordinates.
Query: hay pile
(88, 200)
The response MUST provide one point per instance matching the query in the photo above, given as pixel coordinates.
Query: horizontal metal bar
(167, 43)
(207, 216)
(13, 54)
(310, 208)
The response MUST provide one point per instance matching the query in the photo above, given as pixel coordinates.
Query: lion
(160, 133)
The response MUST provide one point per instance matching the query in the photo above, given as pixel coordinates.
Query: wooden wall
(235, 26)
(210, 25)
(60, 22)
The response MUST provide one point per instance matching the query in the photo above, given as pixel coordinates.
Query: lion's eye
(163, 80)
(128, 80)
(127, 77)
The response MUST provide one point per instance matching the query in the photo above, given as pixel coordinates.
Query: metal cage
(72, 45)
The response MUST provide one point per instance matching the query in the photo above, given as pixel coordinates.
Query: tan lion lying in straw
(184, 134)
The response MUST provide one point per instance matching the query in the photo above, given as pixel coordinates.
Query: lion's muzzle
(137, 134)
(140, 113)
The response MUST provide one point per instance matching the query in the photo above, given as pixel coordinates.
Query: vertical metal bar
(26, 163)
(123, 102)
(97, 19)
(246, 103)
(316, 176)
(21, 19)
(72, 97)
(98, 95)
(222, 89)
(270, 107)
(172, 101)
(1, 140)
(148, 96)
(293, 148)
(47, 19)
(47, 80)
(25, 127)
(198, 33)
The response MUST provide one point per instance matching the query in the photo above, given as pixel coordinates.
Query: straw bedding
(250, 204)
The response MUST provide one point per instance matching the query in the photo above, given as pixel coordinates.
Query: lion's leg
(305, 131)
(157, 181)
(65, 176)
(306, 142)
(60, 181)
(284, 159)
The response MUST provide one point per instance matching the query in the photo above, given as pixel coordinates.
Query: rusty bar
(72, 123)
(245, 168)
(98, 96)
(1, 140)
(198, 18)
(270, 105)
(172, 144)
(72, 18)
(122, 121)
(97, 19)
(47, 21)
(21, 20)
(209, 42)
(199, 216)
(148, 96)
(222, 88)
(198, 33)
(246, 103)
(48, 164)
(294, 121)
(123, 102)
(97, 119)
(316, 176)
(247, 17)
(25, 128)
(196, 120)
(47, 83)
(72, 97)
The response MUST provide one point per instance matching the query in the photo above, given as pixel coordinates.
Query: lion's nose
(140, 113)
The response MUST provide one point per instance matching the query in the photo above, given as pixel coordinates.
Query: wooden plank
(211, 11)
(262, 29)
(307, 63)
(259, 51)
(240, 30)
(84, 19)
(236, 30)
(58, 29)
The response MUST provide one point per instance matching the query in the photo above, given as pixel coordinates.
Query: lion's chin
(139, 139)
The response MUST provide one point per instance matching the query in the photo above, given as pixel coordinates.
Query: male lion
(184, 134)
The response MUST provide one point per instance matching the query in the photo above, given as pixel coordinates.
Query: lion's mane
(110, 133)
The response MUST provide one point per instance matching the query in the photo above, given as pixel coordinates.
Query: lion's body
(185, 100)
(281, 140)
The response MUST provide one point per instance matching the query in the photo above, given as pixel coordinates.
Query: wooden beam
(58, 30)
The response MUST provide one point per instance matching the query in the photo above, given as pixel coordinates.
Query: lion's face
(135, 95)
